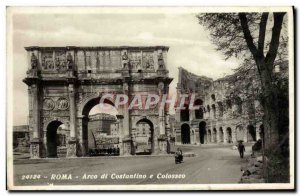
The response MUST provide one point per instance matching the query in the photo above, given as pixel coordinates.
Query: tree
(247, 37)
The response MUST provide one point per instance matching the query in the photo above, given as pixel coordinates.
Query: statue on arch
(69, 61)
(34, 61)
(161, 63)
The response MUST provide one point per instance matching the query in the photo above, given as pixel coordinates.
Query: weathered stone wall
(66, 82)
(229, 108)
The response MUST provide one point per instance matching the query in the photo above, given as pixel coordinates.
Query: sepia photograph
(150, 98)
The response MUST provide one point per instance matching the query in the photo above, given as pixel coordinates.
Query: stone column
(126, 113)
(233, 134)
(217, 110)
(162, 138)
(218, 134)
(127, 140)
(197, 136)
(44, 154)
(225, 135)
(257, 129)
(177, 136)
(194, 137)
(35, 146)
(133, 143)
(162, 129)
(161, 111)
(121, 134)
(82, 147)
(192, 115)
(71, 151)
(156, 140)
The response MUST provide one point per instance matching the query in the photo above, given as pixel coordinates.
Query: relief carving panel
(148, 60)
(47, 60)
(48, 104)
(60, 60)
(135, 60)
(62, 103)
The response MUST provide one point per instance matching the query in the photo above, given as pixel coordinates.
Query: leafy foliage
(260, 42)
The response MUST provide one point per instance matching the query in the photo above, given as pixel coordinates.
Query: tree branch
(262, 32)
(271, 55)
(247, 35)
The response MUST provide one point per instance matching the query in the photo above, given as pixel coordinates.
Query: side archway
(202, 131)
(229, 135)
(185, 134)
(251, 133)
(144, 137)
(53, 138)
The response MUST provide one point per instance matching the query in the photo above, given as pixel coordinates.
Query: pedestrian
(179, 154)
(241, 149)
(118, 150)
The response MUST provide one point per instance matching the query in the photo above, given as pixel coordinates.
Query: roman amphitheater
(224, 115)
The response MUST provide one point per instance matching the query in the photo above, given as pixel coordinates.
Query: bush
(278, 170)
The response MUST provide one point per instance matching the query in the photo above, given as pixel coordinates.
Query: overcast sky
(189, 43)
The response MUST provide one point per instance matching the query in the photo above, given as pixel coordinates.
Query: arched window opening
(228, 104)
(185, 113)
(213, 97)
(198, 112)
(213, 107)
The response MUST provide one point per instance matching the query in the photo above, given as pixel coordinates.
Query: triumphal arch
(65, 83)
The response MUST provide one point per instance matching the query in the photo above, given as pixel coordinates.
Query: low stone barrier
(253, 170)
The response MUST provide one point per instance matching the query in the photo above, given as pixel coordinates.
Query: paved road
(213, 164)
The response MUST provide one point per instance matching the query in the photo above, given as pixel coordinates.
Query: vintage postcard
(150, 98)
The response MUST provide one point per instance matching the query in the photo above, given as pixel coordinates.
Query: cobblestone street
(212, 164)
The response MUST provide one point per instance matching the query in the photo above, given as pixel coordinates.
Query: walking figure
(241, 149)
(178, 156)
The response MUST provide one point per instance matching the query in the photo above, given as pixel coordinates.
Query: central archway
(144, 137)
(185, 134)
(95, 130)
